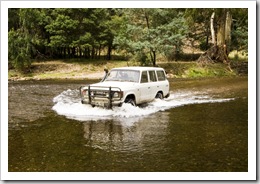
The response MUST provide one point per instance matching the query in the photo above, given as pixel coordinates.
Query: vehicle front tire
(159, 95)
(130, 101)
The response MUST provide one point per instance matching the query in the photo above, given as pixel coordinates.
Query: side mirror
(106, 72)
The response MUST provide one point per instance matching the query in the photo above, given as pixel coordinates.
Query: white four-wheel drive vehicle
(134, 85)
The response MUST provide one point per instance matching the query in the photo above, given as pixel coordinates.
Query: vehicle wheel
(131, 101)
(159, 95)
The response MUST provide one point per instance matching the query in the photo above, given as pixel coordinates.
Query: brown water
(203, 126)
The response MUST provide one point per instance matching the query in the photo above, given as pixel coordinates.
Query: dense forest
(142, 34)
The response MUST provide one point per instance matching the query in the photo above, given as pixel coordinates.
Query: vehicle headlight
(84, 92)
(92, 93)
(116, 95)
(107, 95)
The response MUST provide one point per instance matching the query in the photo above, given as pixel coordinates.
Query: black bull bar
(99, 92)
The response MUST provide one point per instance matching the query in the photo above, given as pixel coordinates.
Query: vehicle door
(163, 82)
(145, 88)
(154, 86)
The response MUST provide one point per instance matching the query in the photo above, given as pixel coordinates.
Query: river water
(201, 127)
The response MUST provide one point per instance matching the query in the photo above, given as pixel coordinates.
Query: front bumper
(101, 96)
(101, 102)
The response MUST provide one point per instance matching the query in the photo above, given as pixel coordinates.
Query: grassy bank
(85, 69)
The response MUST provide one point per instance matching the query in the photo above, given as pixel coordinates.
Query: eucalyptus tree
(224, 35)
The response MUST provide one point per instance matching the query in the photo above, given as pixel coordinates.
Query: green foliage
(240, 41)
(239, 34)
(61, 30)
(213, 70)
(19, 50)
(198, 21)
(197, 72)
(42, 33)
(151, 31)
(24, 36)
(141, 58)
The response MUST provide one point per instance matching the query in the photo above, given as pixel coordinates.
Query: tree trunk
(228, 31)
(154, 58)
(64, 52)
(99, 51)
(80, 52)
(109, 50)
(88, 53)
(221, 29)
(212, 28)
(220, 49)
(93, 52)
(207, 39)
(85, 53)
(152, 51)
(73, 52)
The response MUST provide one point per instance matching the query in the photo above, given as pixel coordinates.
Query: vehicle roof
(139, 68)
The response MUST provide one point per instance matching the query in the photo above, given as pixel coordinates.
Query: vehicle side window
(152, 76)
(161, 75)
(144, 77)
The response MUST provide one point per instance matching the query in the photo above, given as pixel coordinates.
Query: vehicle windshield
(123, 75)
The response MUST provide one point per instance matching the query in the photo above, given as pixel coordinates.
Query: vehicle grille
(100, 93)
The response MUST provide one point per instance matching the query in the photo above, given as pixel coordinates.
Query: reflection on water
(113, 136)
(201, 127)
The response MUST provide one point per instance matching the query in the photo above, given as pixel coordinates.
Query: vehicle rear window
(144, 77)
(161, 75)
(152, 76)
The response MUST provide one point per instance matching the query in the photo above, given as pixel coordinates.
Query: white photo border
(250, 175)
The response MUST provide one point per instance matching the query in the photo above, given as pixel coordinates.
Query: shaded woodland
(140, 34)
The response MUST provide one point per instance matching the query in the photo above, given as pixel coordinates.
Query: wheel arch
(160, 91)
(130, 96)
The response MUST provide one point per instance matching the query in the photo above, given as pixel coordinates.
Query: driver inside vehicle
(123, 75)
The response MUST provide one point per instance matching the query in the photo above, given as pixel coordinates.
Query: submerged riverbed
(202, 126)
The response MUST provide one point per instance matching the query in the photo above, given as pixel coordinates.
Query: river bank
(77, 70)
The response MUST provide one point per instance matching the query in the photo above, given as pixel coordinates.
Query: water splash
(68, 104)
